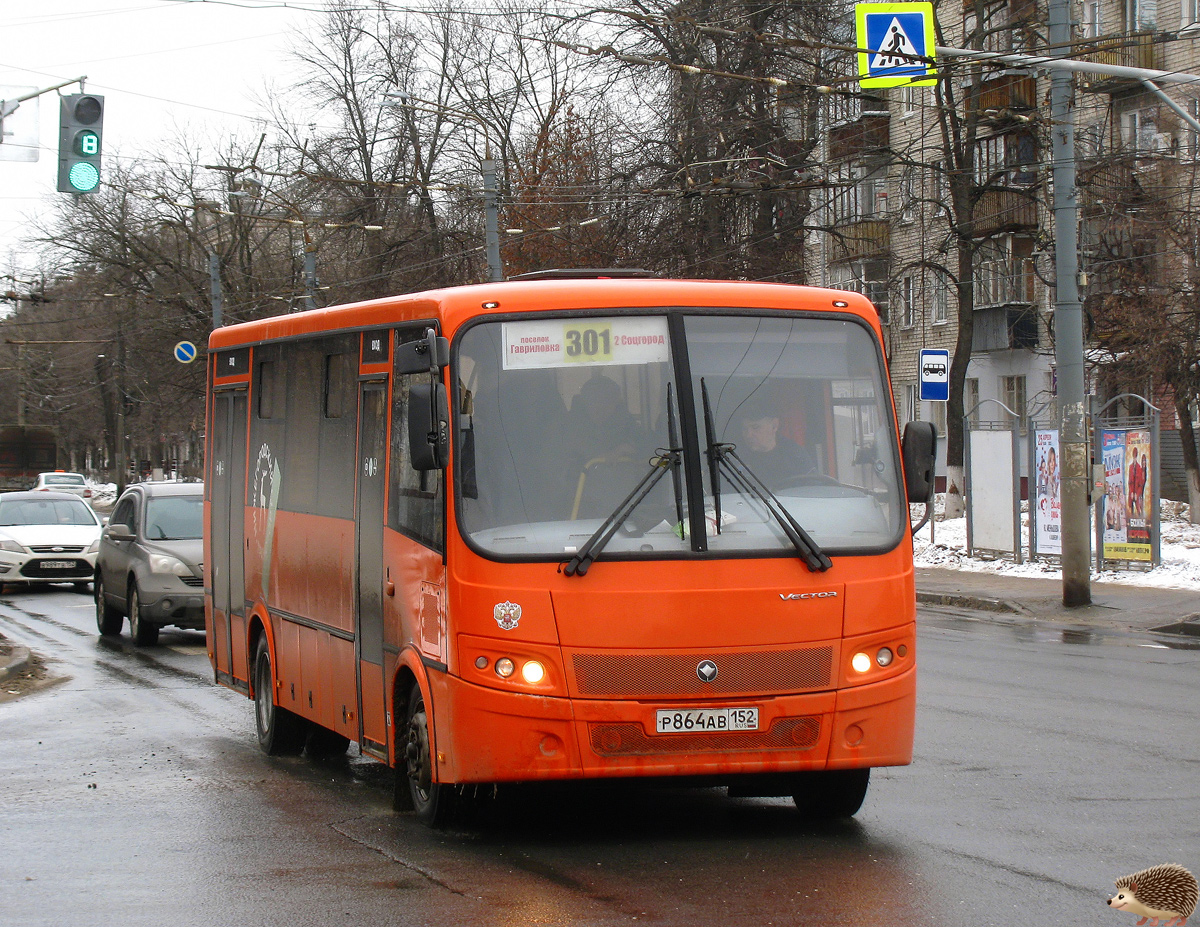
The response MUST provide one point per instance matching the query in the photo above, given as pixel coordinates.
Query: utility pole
(1068, 326)
(491, 220)
(214, 284)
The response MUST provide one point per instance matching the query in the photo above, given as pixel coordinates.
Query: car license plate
(58, 564)
(706, 719)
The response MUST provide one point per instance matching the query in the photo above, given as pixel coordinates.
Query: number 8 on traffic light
(81, 126)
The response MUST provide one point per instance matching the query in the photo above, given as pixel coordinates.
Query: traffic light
(80, 133)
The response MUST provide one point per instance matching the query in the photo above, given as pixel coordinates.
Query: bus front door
(369, 517)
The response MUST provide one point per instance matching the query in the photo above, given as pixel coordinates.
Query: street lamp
(491, 210)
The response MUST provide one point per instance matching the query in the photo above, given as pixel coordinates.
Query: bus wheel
(108, 619)
(832, 794)
(431, 801)
(324, 744)
(279, 731)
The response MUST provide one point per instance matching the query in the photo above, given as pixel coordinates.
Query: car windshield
(559, 421)
(175, 518)
(45, 512)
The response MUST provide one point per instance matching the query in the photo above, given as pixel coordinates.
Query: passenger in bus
(601, 426)
(607, 449)
(773, 457)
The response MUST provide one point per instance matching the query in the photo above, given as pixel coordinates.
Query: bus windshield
(560, 420)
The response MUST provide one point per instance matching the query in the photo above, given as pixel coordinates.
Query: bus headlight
(533, 672)
(884, 657)
(861, 662)
(504, 667)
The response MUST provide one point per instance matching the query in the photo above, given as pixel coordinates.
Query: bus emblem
(507, 614)
(706, 670)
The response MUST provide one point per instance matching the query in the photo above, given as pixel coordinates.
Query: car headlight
(10, 544)
(94, 547)
(163, 563)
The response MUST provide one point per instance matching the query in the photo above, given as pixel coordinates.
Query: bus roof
(455, 305)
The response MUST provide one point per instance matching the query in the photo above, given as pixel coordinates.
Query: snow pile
(1180, 552)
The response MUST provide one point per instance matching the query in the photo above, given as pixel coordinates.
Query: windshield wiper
(742, 477)
(664, 460)
(714, 454)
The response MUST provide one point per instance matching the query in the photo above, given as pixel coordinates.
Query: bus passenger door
(228, 530)
(369, 517)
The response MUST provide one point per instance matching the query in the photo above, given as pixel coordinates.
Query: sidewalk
(1114, 607)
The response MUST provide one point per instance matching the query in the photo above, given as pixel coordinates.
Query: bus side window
(415, 498)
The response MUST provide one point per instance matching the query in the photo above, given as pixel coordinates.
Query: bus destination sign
(583, 342)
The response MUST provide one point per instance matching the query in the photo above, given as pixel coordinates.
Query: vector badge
(507, 614)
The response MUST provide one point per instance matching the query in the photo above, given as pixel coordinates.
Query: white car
(47, 537)
(62, 481)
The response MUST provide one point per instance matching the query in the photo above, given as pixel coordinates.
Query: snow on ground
(1180, 552)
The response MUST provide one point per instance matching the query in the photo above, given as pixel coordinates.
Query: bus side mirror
(919, 453)
(428, 426)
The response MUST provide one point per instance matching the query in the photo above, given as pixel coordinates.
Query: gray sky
(160, 64)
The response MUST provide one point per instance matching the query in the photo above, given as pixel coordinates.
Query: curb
(17, 661)
(952, 600)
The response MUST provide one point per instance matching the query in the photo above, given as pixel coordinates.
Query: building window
(1012, 391)
(971, 401)
(907, 303)
(908, 101)
(1141, 15)
(1093, 24)
(912, 402)
(939, 418)
(1191, 13)
(941, 301)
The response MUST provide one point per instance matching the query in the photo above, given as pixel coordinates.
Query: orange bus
(576, 525)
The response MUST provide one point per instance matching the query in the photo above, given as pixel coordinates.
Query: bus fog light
(884, 657)
(861, 662)
(481, 663)
(533, 672)
(504, 667)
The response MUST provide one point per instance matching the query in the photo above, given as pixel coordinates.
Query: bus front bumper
(487, 735)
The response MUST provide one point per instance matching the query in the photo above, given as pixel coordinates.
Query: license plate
(706, 719)
(58, 564)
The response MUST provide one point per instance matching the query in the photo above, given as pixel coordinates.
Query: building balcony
(1128, 50)
(860, 139)
(860, 239)
(1001, 328)
(1005, 97)
(1005, 210)
(1005, 283)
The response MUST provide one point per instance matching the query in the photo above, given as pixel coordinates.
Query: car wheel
(433, 802)
(831, 794)
(280, 732)
(143, 632)
(108, 619)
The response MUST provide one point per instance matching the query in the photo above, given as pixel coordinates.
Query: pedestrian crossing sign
(895, 44)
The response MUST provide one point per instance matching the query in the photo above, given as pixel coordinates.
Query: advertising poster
(1127, 493)
(1047, 501)
(1139, 496)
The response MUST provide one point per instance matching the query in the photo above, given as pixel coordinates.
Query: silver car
(149, 566)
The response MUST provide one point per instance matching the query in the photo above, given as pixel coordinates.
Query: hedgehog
(1164, 893)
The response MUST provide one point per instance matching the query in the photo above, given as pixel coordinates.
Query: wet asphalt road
(134, 794)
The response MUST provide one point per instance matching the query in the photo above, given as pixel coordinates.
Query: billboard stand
(993, 518)
(1128, 532)
(1045, 492)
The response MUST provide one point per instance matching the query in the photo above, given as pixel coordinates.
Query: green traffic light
(84, 176)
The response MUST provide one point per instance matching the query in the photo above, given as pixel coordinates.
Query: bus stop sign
(935, 376)
(895, 44)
